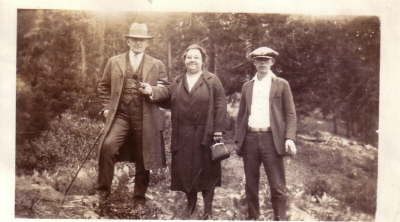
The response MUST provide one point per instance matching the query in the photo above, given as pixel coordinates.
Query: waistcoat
(131, 105)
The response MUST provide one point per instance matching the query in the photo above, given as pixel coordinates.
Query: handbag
(219, 151)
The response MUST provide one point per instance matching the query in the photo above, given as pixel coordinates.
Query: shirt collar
(194, 75)
(133, 55)
(269, 75)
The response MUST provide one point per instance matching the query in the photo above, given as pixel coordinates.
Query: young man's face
(263, 65)
(137, 45)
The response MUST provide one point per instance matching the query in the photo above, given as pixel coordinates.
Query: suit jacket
(110, 89)
(282, 114)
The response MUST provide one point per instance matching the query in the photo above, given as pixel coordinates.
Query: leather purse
(219, 151)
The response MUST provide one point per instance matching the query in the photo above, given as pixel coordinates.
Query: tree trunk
(348, 128)
(365, 131)
(248, 46)
(101, 29)
(215, 58)
(83, 77)
(355, 129)
(211, 59)
(335, 127)
(169, 60)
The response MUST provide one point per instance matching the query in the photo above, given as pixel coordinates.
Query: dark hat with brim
(263, 53)
(138, 31)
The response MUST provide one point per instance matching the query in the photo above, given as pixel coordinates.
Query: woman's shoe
(206, 216)
(191, 204)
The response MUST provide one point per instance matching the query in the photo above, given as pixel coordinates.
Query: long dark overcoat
(216, 116)
(192, 167)
(110, 89)
(282, 113)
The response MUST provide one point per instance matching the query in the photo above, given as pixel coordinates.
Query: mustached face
(137, 45)
(193, 61)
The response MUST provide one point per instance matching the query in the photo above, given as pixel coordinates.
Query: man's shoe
(102, 197)
(139, 201)
(252, 218)
(138, 208)
(139, 205)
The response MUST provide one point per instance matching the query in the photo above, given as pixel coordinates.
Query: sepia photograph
(194, 110)
(196, 115)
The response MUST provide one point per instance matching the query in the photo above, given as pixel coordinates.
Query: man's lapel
(249, 95)
(122, 64)
(273, 88)
(147, 65)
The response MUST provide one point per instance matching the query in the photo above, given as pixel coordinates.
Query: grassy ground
(331, 178)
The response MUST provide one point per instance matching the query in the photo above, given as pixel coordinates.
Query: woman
(198, 111)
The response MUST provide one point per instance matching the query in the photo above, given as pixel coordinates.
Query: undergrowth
(66, 142)
(335, 170)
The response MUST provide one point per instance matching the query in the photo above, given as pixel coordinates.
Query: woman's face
(193, 61)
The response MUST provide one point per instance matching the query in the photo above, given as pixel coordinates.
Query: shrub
(348, 175)
(66, 142)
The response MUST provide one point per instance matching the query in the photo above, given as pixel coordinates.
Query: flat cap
(263, 52)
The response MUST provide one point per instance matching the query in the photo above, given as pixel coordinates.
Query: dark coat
(192, 168)
(216, 117)
(282, 114)
(110, 89)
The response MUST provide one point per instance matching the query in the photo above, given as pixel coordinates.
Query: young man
(266, 131)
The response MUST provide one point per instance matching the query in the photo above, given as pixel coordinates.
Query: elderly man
(133, 129)
(266, 130)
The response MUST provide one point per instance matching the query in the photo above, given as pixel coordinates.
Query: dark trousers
(259, 149)
(119, 133)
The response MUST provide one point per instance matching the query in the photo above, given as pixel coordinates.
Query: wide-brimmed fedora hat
(263, 53)
(138, 31)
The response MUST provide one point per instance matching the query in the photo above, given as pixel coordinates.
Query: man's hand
(105, 113)
(145, 88)
(290, 147)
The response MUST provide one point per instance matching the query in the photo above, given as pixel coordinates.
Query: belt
(257, 130)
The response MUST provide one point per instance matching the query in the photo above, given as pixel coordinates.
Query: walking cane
(80, 167)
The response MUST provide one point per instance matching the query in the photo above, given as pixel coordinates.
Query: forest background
(331, 63)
